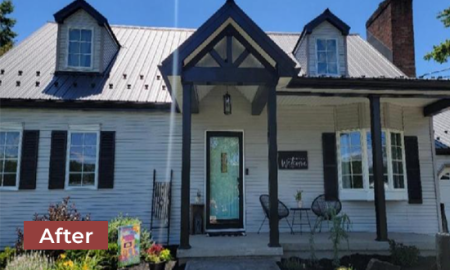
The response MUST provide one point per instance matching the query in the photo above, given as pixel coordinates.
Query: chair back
(283, 211)
(322, 208)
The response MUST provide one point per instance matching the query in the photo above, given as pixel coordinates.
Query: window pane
(85, 60)
(89, 165)
(90, 139)
(332, 68)
(346, 181)
(331, 45)
(75, 179)
(9, 180)
(331, 57)
(322, 68)
(76, 153)
(74, 60)
(11, 166)
(74, 34)
(12, 152)
(2, 151)
(74, 47)
(355, 139)
(399, 181)
(357, 181)
(2, 161)
(357, 167)
(2, 138)
(321, 45)
(322, 57)
(85, 48)
(88, 179)
(90, 152)
(75, 166)
(86, 35)
(12, 138)
(346, 168)
(76, 139)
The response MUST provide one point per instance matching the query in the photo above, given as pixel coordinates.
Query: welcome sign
(129, 242)
(293, 160)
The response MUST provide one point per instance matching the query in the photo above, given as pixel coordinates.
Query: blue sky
(270, 15)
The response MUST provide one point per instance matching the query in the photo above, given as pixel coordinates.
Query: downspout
(436, 178)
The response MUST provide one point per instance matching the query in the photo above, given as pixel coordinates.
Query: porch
(255, 245)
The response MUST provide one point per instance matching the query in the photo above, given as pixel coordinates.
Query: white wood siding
(444, 186)
(143, 142)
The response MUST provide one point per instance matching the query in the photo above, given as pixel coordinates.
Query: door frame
(226, 133)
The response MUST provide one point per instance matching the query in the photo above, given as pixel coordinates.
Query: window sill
(81, 188)
(9, 189)
(368, 195)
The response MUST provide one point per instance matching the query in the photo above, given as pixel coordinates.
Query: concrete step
(232, 264)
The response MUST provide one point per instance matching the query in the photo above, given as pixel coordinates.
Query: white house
(90, 110)
(442, 144)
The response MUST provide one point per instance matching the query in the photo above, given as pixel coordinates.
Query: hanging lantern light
(227, 103)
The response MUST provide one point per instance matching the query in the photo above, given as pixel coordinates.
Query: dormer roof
(76, 5)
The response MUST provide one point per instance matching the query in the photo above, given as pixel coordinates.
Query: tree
(7, 35)
(441, 52)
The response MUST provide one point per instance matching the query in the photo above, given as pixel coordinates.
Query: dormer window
(327, 57)
(80, 48)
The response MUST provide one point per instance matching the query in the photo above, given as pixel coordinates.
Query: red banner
(56, 235)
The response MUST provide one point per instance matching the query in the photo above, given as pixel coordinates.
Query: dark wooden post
(186, 167)
(378, 174)
(273, 166)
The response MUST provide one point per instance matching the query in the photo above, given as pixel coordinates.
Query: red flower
(155, 249)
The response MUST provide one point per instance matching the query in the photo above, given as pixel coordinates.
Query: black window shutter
(413, 170)
(29, 158)
(330, 172)
(58, 153)
(106, 159)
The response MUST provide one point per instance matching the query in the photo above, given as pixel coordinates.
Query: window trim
(80, 129)
(317, 56)
(92, 49)
(7, 127)
(366, 193)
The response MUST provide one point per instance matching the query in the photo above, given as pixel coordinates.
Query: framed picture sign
(293, 160)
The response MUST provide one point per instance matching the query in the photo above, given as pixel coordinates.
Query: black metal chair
(283, 211)
(323, 209)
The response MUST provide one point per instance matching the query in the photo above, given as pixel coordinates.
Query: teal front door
(224, 186)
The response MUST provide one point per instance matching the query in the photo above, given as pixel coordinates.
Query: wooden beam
(227, 75)
(273, 166)
(436, 107)
(378, 171)
(260, 100)
(186, 167)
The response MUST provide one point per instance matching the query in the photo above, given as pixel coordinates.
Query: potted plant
(157, 256)
(298, 198)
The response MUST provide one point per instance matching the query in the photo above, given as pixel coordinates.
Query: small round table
(300, 211)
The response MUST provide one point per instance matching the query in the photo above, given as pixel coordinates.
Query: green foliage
(86, 262)
(6, 256)
(65, 211)
(298, 195)
(7, 35)
(441, 52)
(293, 264)
(340, 226)
(106, 259)
(402, 255)
(30, 261)
(113, 232)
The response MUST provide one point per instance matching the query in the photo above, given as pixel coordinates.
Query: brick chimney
(390, 30)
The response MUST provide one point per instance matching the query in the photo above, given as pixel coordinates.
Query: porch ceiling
(248, 91)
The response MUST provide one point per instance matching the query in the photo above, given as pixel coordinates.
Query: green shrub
(106, 259)
(30, 261)
(113, 231)
(65, 211)
(402, 255)
(6, 256)
(84, 263)
(293, 264)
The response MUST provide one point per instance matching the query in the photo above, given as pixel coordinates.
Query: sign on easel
(129, 242)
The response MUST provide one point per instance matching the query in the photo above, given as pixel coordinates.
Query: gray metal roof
(442, 130)
(143, 49)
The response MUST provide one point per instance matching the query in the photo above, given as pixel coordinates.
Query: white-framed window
(327, 56)
(80, 48)
(10, 150)
(445, 175)
(82, 159)
(356, 164)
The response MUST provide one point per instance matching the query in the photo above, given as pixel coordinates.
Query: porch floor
(256, 245)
